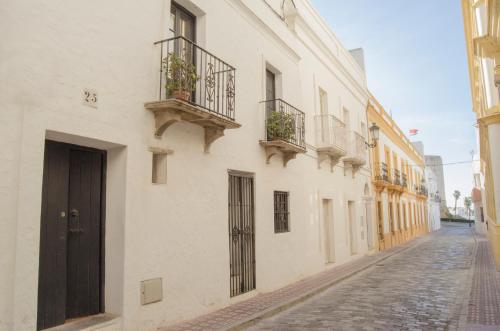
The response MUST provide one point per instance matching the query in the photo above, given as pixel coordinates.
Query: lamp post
(374, 132)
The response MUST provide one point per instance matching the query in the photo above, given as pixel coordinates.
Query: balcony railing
(396, 180)
(330, 132)
(356, 149)
(202, 78)
(284, 122)
(421, 190)
(382, 172)
(404, 180)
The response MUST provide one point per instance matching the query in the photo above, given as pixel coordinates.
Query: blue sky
(416, 67)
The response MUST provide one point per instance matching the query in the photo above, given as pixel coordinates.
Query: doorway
(328, 231)
(369, 225)
(71, 263)
(368, 217)
(241, 233)
(352, 227)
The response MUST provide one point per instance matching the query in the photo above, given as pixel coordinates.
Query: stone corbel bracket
(212, 133)
(354, 166)
(170, 111)
(275, 147)
(333, 155)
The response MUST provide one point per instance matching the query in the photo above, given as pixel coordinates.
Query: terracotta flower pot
(181, 94)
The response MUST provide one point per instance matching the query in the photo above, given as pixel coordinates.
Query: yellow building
(398, 182)
(482, 34)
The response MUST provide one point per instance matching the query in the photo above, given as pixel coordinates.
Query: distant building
(398, 182)
(432, 182)
(435, 163)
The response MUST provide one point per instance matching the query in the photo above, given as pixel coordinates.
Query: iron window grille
(281, 212)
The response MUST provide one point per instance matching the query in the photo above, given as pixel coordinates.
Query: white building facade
(118, 197)
(434, 184)
(434, 200)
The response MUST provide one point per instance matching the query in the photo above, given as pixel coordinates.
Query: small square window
(281, 212)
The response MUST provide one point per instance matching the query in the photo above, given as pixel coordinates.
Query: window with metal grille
(281, 212)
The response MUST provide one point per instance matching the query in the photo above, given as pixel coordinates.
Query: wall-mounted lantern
(374, 132)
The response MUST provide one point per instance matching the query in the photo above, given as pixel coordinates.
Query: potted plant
(180, 77)
(280, 126)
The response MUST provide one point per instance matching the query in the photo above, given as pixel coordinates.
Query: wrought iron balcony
(285, 130)
(420, 189)
(404, 181)
(396, 177)
(330, 139)
(381, 172)
(194, 86)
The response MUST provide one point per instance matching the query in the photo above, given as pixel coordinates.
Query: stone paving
(443, 281)
(484, 302)
(422, 288)
(262, 305)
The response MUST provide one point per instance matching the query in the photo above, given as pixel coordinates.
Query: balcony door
(270, 92)
(182, 22)
(323, 106)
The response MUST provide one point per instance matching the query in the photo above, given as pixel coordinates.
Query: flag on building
(413, 132)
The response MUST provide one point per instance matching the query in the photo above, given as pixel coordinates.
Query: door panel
(241, 235)
(53, 235)
(270, 85)
(70, 277)
(329, 233)
(182, 22)
(84, 234)
(352, 228)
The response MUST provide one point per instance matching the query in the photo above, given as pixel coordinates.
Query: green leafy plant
(180, 75)
(280, 126)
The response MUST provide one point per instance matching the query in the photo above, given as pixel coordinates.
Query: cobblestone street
(427, 287)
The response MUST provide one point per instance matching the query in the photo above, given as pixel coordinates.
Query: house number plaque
(90, 98)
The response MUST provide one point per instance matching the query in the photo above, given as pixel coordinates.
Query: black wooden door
(241, 234)
(71, 246)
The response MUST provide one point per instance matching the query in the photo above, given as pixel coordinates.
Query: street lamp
(374, 131)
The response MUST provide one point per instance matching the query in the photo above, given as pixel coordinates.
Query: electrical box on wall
(151, 291)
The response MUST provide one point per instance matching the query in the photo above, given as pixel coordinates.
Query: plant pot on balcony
(181, 95)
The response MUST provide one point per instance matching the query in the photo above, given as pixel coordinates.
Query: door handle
(74, 213)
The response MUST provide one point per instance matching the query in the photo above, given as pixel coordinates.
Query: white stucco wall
(178, 231)
(433, 205)
(494, 139)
